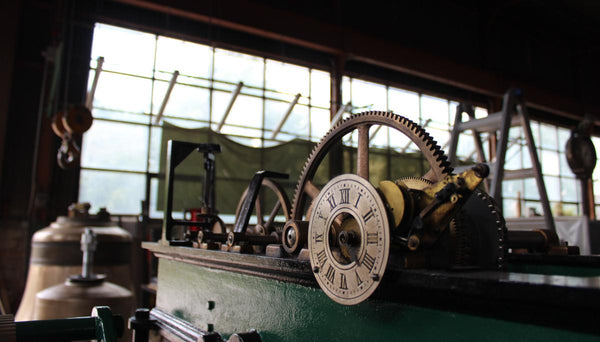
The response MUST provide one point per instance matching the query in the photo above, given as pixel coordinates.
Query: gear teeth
(427, 145)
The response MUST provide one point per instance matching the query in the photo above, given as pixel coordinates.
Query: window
(121, 152)
(562, 187)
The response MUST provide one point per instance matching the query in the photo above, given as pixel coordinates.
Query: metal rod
(286, 116)
(375, 133)
(90, 96)
(311, 190)
(362, 158)
(163, 105)
(535, 163)
(88, 246)
(340, 112)
(67, 329)
(234, 96)
(272, 215)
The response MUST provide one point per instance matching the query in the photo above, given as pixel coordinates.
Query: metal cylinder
(537, 240)
(76, 298)
(56, 254)
(73, 298)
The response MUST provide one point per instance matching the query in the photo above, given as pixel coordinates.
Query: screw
(413, 242)
(316, 269)
(291, 237)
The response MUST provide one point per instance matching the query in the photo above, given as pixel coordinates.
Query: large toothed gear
(440, 167)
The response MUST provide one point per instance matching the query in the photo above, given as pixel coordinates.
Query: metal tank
(55, 254)
(82, 292)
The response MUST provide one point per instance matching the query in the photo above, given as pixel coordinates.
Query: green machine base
(227, 292)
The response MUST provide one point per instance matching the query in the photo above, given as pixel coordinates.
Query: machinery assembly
(280, 171)
(359, 243)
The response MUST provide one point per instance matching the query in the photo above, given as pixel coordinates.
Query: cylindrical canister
(56, 254)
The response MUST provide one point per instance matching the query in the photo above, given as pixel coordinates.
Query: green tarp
(237, 163)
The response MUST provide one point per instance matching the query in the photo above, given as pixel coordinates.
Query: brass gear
(477, 233)
(440, 167)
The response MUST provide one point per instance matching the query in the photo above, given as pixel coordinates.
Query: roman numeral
(371, 238)
(368, 215)
(330, 275)
(343, 284)
(320, 215)
(357, 200)
(319, 238)
(321, 257)
(345, 196)
(358, 280)
(331, 201)
(368, 261)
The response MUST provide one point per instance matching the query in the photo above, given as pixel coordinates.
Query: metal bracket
(243, 218)
(177, 152)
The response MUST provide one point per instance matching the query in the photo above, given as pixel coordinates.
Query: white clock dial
(349, 239)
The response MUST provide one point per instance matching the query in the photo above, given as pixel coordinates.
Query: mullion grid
(527, 199)
(148, 174)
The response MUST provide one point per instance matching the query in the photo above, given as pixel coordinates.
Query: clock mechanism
(356, 228)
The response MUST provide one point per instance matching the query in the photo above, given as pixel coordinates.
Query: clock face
(349, 239)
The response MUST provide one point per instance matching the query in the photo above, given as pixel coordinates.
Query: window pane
(120, 193)
(565, 169)
(124, 50)
(509, 207)
(346, 90)
(513, 159)
(550, 163)
(435, 109)
(535, 131)
(319, 123)
(466, 147)
(378, 136)
(563, 136)
(405, 103)
(119, 115)
(552, 188)
(568, 187)
(286, 78)
(185, 101)
(124, 93)
(548, 137)
(155, 145)
(111, 145)
(530, 190)
(480, 112)
(235, 67)
(399, 141)
(368, 96)
(297, 123)
(246, 110)
(512, 188)
(320, 84)
(188, 58)
(274, 112)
